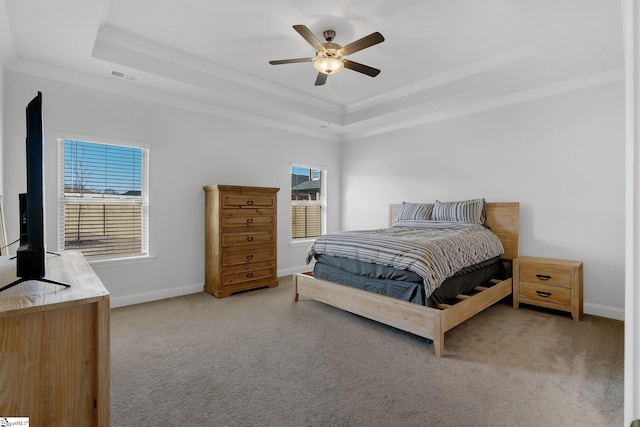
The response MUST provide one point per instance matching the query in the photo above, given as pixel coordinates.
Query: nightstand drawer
(550, 294)
(546, 275)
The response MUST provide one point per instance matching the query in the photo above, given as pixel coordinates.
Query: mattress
(434, 250)
(403, 284)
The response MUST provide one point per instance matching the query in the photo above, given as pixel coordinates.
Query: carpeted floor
(259, 359)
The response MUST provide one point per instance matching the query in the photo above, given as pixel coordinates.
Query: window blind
(103, 200)
(307, 203)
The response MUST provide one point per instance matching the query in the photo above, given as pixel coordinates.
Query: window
(308, 202)
(103, 199)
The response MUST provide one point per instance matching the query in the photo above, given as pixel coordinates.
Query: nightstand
(550, 283)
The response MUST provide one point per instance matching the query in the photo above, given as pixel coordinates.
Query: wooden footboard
(427, 322)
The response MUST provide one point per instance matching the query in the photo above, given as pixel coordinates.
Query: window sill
(301, 242)
(121, 261)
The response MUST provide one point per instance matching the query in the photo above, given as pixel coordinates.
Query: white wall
(2, 72)
(6, 52)
(561, 157)
(188, 150)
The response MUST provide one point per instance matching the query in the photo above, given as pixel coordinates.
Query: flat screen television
(30, 256)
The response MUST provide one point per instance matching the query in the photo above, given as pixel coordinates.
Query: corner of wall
(1, 127)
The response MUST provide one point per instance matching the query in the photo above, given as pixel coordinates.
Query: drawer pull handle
(250, 239)
(249, 274)
(543, 277)
(249, 257)
(544, 294)
(249, 221)
(250, 202)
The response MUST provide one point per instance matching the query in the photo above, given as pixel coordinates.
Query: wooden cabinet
(549, 283)
(240, 238)
(54, 346)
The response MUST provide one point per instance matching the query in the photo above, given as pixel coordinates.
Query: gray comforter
(435, 250)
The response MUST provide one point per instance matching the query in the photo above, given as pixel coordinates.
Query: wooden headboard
(502, 219)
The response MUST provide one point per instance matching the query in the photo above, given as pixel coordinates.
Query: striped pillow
(415, 212)
(463, 211)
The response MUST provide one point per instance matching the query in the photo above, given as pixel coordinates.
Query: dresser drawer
(238, 276)
(248, 256)
(545, 275)
(549, 294)
(248, 217)
(248, 200)
(248, 238)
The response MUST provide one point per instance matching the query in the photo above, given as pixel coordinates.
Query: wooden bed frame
(427, 322)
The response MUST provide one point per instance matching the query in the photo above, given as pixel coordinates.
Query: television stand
(39, 279)
(54, 346)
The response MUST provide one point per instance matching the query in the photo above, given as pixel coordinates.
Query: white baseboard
(604, 311)
(589, 308)
(143, 297)
(156, 295)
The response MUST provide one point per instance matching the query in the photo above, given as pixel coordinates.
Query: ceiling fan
(330, 57)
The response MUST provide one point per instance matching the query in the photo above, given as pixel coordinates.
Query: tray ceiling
(440, 57)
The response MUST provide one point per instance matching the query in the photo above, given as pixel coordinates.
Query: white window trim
(101, 140)
(323, 202)
(146, 256)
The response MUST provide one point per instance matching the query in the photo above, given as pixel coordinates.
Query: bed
(428, 319)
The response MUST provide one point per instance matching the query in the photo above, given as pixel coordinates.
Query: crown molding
(416, 117)
(312, 126)
(277, 119)
(109, 42)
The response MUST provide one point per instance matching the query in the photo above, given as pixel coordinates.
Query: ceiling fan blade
(309, 36)
(321, 79)
(370, 40)
(364, 69)
(290, 61)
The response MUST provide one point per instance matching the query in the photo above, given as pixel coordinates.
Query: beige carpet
(259, 359)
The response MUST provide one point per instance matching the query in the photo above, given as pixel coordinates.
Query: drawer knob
(249, 274)
(249, 221)
(544, 294)
(543, 277)
(249, 257)
(250, 239)
(250, 202)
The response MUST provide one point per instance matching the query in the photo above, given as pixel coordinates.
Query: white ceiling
(440, 58)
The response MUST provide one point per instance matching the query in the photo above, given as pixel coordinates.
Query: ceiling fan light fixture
(328, 65)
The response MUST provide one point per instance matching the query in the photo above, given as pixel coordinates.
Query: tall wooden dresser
(240, 238)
